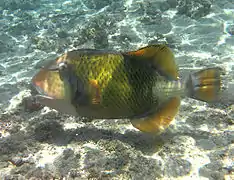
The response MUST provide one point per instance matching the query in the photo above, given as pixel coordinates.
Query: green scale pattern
(125, 83)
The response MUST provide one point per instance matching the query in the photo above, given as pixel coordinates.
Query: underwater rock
(17, 102)
(22, 28)
(194, 8)
(2, 70)
(3, 164)
(115, 159)
(30, 104)
(62, 33)
(101, 39)
(225, 4)
(230, 29)
(177, 167)
(7, 92)
(17, 161)
(144, 168)
(154, 22)
(96, 4)
(3, 47)
(68, 161)
(20, 4)
(11, 145)
(172, 3)
(6, 43)
(94, 163)
(212, 171)
(43, 44)
(128, 34)
(48, 131)
(153, 6)
(40, 173)
(136, 9)
(97, 31)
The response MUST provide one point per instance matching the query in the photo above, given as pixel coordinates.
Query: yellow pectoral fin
(95, 91)
(160, 56)
(160, 120)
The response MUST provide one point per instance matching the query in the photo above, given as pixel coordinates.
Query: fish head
(64, 67)
(49, 82)
(52, 84)
(57, 79)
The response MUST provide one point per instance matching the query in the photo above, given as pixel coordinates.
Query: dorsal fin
(161, 58)
(160, 120)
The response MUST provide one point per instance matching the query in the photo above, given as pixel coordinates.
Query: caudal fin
(205, 85)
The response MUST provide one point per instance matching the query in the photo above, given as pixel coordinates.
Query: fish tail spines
(205, 85)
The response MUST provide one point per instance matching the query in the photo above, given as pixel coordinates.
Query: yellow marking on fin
(95, 91)
(160, 120)
(139, 52)
(161, 57)
(207, 84)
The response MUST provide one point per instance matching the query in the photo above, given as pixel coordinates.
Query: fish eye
(62, 66)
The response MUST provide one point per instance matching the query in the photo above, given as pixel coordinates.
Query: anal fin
(160, 120)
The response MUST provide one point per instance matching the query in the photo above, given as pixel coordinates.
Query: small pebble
(17, 161)
(31, 105)
(230, 29)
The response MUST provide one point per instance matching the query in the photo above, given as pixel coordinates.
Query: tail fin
(205, 85)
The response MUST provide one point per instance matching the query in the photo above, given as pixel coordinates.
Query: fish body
(141, 85)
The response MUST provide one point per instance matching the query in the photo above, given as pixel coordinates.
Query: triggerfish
(143, 85)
